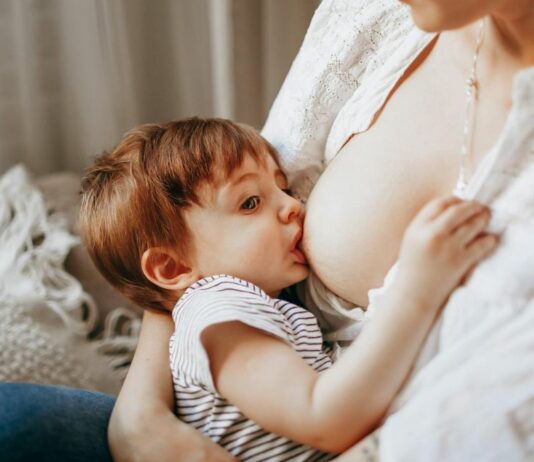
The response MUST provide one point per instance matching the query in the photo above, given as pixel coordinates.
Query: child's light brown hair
(133, 197)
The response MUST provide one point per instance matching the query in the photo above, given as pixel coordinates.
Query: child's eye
(251, 203)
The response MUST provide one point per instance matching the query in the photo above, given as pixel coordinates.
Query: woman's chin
(435, 25)
(438, 18)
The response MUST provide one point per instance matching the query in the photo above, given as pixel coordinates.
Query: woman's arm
(143, 426)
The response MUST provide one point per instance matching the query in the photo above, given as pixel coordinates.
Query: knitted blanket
(49, 331)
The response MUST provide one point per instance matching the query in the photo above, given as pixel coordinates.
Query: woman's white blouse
(353, 54)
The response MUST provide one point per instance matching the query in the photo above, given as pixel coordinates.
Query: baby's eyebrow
(242, 178)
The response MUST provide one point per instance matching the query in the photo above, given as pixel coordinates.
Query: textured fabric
(48, 322)
(219, 299)
(51, 424)
(353, 54)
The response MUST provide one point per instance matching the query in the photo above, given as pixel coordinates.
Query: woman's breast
(361, 205)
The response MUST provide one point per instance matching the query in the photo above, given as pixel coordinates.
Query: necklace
(466, 153)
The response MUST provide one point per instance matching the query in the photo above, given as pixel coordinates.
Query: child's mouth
(296, 250)
(299, 256)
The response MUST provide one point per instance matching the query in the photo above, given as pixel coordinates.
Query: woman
(400, 100)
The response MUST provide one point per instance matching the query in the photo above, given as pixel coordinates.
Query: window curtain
(75, 74)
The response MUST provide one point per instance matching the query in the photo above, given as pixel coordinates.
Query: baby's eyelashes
(250, 203)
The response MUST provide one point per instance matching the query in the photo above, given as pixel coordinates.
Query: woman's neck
(512, 31)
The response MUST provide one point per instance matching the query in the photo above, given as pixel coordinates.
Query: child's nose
(291, 209)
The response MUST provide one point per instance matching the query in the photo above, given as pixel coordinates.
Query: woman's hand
(441, 245)
(143, 426)
(144, 434)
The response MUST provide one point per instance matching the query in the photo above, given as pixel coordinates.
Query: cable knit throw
(48, 323)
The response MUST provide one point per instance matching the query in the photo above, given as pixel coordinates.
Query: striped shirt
(219, 299)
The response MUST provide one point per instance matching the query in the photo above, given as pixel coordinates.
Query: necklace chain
(466, 152)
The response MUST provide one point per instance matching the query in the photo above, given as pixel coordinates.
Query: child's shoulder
(223, 286)
(222, 298)
(224, 283)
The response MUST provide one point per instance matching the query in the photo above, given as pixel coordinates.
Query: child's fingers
(481, 247)
(471, 228)
(457, 215)
(435, 207)
(468, 274)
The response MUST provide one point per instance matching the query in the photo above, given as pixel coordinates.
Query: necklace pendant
(471, 90)
(471, 87)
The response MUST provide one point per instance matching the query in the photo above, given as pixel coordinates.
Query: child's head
(176, 202)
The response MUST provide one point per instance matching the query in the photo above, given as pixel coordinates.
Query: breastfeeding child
(194, 217)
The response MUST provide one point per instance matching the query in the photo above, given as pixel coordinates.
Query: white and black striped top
(218, 299)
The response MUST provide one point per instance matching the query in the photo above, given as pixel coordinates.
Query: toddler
(195, 217)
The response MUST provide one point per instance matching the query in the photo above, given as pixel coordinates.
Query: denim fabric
(52, 423)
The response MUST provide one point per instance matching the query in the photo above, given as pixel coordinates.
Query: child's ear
(163, 267)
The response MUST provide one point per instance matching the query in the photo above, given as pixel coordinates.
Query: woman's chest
(383, 176)
(371, 191)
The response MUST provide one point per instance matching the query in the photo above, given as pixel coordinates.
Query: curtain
(75, 74)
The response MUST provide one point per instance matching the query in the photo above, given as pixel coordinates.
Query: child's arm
(272, 385)
(143, 426)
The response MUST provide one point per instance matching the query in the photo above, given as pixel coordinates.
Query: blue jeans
(52, 423)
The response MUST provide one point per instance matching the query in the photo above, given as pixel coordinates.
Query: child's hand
(440, 246)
